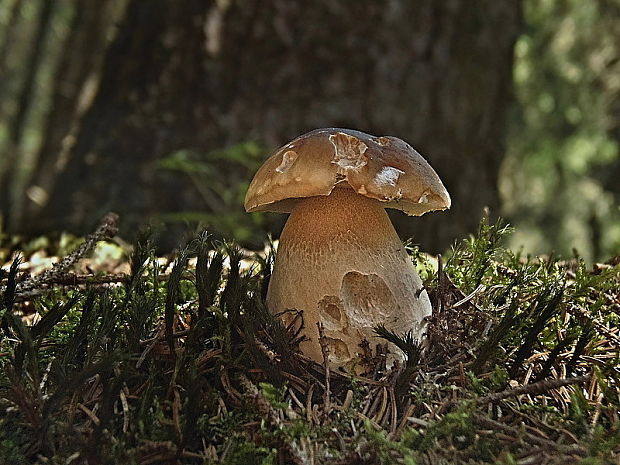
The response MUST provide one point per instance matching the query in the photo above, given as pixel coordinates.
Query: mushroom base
(342, 263)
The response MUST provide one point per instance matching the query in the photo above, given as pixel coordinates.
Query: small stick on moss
(325, 352)
(439, 306)
(230, 390)
(71, 279)
(382, 407)
(531, 438)
(462, 377)
(408, 413)
(574, 310)
(309, 416)
(89, 413)
(481, 288)
(393, 411)
(107, 229)
(534, 388)
(151, 345)
(35, 286)
(372, 402)
(125, 406)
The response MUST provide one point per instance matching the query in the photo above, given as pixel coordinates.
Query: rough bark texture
(199, 74)
(26, 94)
(75, 69)
(5, 46)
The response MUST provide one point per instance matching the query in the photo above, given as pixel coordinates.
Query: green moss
(99, 379)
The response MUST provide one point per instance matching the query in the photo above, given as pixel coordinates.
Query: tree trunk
(26, 94)
(75, 69)
(203, 75)
(5, 46)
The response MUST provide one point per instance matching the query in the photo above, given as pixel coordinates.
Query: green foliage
(242, 453)
(274, 395)
(384, 451)
(221, 178)
(529, 298)
(558, 183)
(12, 452)
(473, 258)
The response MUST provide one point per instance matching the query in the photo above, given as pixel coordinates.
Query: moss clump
(178, 361)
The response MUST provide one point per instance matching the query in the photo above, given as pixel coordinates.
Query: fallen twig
(325, 352)
(107, 229)
(533, 439)
(534, 388)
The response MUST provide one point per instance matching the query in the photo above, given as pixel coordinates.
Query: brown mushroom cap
(383, 168)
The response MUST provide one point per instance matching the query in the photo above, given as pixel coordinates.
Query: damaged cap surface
(383, 168)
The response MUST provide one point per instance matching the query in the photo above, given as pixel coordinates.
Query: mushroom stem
(342, 263)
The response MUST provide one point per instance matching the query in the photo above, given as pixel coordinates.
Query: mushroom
(339, 259)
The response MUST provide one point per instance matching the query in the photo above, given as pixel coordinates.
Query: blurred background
(162, 110)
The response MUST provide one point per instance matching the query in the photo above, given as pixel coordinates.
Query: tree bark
(32, 67)
(18, 121)
(203, 75)
(75, 69)
(5, 46)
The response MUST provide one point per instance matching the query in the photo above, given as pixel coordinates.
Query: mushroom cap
(383, 168)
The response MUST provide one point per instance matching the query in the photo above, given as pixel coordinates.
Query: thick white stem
(342, 263)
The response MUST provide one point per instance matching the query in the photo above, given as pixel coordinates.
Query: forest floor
(112, 355)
